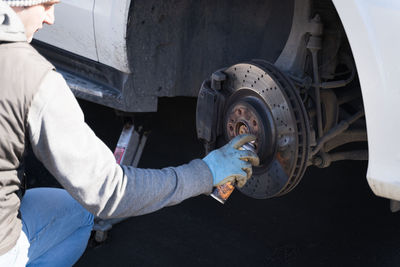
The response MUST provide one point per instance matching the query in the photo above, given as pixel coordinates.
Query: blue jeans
(56, 226)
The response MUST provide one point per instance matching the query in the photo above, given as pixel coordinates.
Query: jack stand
(128, 152)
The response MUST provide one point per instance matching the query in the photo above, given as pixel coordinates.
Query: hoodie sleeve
(86, 167)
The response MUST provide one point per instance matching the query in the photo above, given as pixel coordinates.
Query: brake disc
(262, 101)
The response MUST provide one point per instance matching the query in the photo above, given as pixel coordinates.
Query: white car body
(370, 27)
(97, 31)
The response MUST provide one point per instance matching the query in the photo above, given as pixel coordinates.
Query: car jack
(128, 152)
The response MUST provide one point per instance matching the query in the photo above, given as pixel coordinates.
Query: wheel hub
(248, 114)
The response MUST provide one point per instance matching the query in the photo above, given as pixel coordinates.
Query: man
(48, 227)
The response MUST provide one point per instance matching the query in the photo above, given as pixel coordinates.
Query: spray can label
(222, 192)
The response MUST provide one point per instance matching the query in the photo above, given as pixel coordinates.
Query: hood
(11, 27)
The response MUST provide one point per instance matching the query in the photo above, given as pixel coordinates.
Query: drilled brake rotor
(263, 102)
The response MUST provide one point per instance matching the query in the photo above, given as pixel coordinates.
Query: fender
(368, 25)
(110, 23)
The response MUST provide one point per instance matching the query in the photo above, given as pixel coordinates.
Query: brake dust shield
(262, 101)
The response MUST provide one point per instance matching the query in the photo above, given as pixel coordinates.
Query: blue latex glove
(229, 164)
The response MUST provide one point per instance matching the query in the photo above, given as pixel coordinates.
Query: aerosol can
(222, 192)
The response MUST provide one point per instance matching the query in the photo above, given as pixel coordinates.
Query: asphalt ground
(331, 219)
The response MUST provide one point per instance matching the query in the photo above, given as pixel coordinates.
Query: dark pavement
(331, 219)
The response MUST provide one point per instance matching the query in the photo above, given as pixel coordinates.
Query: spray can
(222, 192)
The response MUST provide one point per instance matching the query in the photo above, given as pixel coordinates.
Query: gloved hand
(229, 164)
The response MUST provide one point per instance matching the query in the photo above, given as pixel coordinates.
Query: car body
(87, 32)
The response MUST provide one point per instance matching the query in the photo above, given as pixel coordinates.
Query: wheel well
(317, 65)
(174, 46)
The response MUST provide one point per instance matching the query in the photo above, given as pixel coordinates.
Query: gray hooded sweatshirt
(79, 160)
